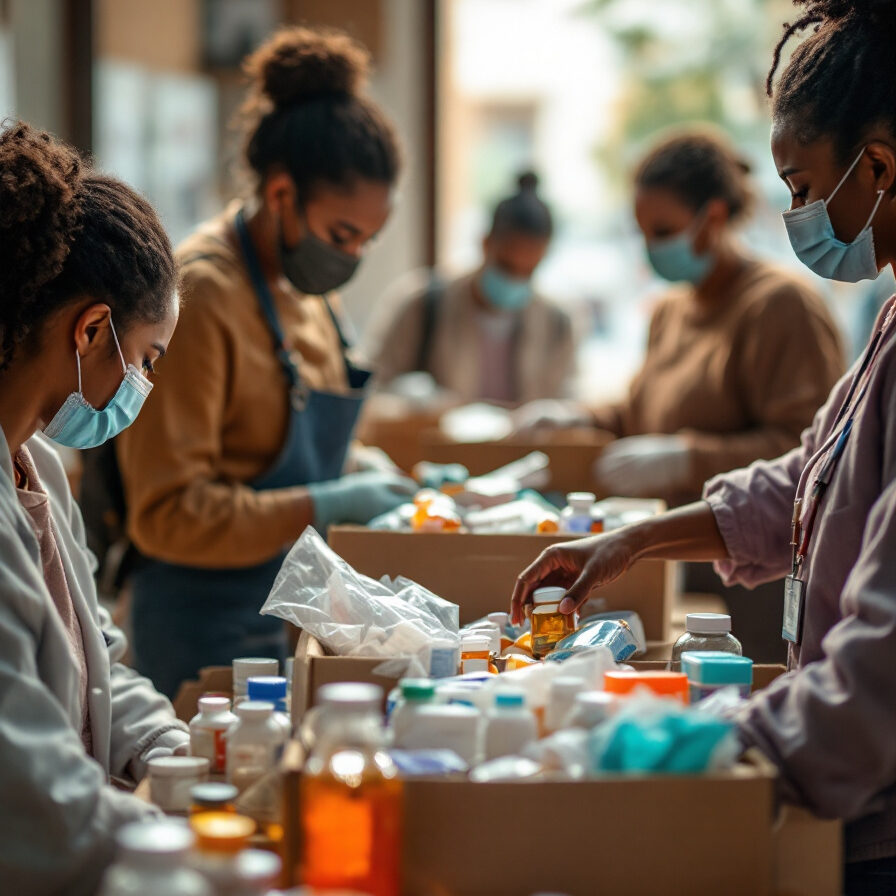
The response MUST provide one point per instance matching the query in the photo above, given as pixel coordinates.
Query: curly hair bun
(300, 64)
(874, 12)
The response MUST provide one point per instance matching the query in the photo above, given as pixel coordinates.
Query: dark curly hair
(305, 112)
(524, 212)
(68, 232)
(698, 165)
(841, 80)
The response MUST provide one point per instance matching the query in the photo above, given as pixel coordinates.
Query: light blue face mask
(817, 247)
(674, 258)
(78, 424)
(505, 293)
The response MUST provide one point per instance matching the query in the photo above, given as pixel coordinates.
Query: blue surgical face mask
(674, 258)
(505, 293)
(78, 424)
(817, 247)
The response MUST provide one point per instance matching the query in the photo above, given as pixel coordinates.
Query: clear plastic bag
(354, 615)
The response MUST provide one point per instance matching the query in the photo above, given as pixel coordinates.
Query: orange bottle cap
(665, 684)
(222, 831)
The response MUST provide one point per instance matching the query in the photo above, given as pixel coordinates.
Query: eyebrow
(788, 171)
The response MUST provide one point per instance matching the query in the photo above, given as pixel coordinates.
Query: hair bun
(527, 182)
(300, 64)
(872, 12)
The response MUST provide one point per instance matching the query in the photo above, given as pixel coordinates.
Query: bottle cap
(580, 500)
(214, 704)
(247, 667)
(552, 595)
(350, 696)
(664, 684)
(475, 643)
(155, 842)
(178, 766)
(708, 623)
(258, 868)
(499, 619)
(417, 689)
(714, 667)
(224, 832)
(266, 687)
(506, 699)
(211, 794)
(252, 710)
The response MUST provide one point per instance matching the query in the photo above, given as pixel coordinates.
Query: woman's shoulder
(770, 288)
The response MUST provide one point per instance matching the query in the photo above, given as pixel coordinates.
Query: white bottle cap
(248, 666)
(552, 595)
(178, 766)
(155, 843)
(350, 696)
(580, 500)
(708, 623)
(214, 704)
(475, 643)
(257, 868)
(253, 710)
(499, 619)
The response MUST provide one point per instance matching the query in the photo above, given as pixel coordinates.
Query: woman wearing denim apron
(253, 419)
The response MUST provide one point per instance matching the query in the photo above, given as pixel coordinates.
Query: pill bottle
(661, 683)
(415, 693)
(254, 743)
(247, 667)
(256, 872)
(710, 671)
(351, 798)
(208, 730)
(576, 516)
(171, 778)
(474, 653)
(590, 709)
(444, 656)
(705, 631)
(272, 689)
(510, 727)
(549, 625)
(456, 726)
(220, 838)
(212, 797)
(562, 694)
(153, 860)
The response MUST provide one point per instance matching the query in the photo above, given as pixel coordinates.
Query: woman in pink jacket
(830, 723)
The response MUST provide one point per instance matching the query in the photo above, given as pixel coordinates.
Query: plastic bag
(354, 615)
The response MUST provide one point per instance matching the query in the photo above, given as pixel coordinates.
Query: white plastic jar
(171, 778)
(576, 516)
(562, 695)
(208, 730)
(446, 727)
(510, 727)
(153, 861)
(247, 667)
(254, 743)
(415, 694)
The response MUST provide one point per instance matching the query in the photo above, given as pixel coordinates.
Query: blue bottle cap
(714, 667)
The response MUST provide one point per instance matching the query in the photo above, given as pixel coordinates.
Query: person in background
(246, 441)
(740, 353)
(87, 303)
(829, 725)
(488, 335)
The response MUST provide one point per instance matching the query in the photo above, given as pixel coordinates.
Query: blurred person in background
(246, 442)
(488, 335)
(87, 305)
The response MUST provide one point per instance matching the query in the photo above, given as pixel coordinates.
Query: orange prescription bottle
(220, 838)
(663, 684)
(474, 653)
(549, 625)
(351, 798)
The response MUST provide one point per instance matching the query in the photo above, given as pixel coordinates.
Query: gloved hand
(644, 466)
(358, 497)
(550, 413)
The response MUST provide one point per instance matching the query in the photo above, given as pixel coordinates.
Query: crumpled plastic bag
(354, 615)
(650, 735)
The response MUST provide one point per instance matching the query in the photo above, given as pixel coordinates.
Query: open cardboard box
(477, 572)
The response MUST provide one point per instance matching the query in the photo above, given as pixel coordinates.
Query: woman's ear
(89, 324)
(883, 166)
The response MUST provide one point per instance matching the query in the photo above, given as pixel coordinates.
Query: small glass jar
(705, 631)
(549, 625)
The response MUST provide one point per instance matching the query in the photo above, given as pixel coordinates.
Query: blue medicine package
(615, 635)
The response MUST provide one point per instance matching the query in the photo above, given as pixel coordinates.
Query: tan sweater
(741, 380)
(542, 356)
(217, 416)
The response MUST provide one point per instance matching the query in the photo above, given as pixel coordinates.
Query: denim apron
(187, 617)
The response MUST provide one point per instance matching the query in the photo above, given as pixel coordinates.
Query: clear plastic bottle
(254, 744)
(415, 692)
(510, 726)
(705, 631)
(549, 625)
(153, 861)
(247, 667)
(208, 730)
(273, 689)
(351, 798)
(578, 517)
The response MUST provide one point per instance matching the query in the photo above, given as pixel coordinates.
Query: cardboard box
(400, 437)
(478, 572)
(572, 454)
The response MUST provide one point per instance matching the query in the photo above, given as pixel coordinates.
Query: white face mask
(812, 237)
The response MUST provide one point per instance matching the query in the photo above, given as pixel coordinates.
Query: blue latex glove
(358, 497)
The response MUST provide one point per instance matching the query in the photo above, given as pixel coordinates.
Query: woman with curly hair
(824, 514)
(246, 440)
(87, 303)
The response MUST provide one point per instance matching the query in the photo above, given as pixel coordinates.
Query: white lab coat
(58, 811)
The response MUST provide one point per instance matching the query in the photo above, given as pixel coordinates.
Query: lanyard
(801, 534)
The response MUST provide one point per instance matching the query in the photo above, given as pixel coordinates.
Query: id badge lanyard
(803, 526)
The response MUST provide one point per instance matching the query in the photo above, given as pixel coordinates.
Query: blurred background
(479, 89)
